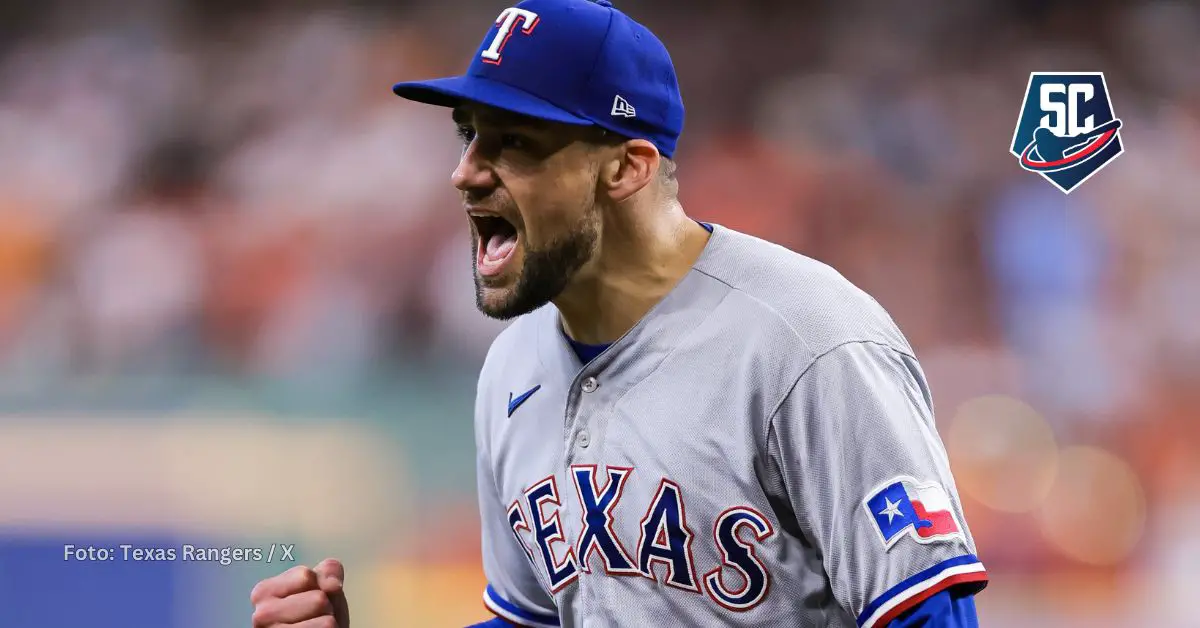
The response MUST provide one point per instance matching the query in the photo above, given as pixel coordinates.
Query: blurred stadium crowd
(197, 190)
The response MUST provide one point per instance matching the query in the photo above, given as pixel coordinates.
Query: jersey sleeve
(946, 609)
(513, 591)
(856, 448)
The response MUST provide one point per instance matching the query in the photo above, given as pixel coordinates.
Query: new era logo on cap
(621, 107)
(569, 61)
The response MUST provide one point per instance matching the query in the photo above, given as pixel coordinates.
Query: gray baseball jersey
(759, 450)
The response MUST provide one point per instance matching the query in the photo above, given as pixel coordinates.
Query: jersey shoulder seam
(813, 361)
(774, 312)
(799, 337)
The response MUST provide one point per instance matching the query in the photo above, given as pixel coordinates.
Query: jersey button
(584, 439)
(590, 385)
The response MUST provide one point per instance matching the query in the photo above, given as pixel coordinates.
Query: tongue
(500, 245)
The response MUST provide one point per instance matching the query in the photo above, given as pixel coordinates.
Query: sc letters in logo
(1067, 130)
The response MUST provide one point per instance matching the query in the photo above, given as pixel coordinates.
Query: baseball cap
(571, 61)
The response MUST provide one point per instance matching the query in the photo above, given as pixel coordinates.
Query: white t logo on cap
(507, 22)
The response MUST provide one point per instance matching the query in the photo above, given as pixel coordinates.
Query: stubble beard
(545, 272)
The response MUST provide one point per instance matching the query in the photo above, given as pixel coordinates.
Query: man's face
(529, 188)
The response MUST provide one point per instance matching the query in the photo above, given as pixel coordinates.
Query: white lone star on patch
(892, 511)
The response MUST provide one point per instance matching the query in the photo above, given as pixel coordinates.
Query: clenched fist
(302, 598)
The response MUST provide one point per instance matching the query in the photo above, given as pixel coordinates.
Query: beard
(545, 272)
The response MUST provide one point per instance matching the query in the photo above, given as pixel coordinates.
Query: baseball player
(684, 425)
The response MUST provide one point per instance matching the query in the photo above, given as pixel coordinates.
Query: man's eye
(516, 142)
(466, 134)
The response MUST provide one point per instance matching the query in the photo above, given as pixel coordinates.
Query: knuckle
(302, 606)
(310, 579)
(261, 590)
(313, 602)
(263, 616)
(297, 570)
(268, 587)
(302, 576)
(256, 593)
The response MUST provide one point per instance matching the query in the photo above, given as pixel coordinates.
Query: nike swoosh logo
(513, 404)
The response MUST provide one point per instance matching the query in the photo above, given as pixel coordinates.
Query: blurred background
(236, 304)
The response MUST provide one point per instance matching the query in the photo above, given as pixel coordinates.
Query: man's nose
(473, 171)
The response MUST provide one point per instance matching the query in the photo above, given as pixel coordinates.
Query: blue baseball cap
(571, 61)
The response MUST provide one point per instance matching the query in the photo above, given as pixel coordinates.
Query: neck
(642, 257)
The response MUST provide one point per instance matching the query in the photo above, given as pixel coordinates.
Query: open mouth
(496, 244)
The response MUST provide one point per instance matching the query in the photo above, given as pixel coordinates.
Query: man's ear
(632, 166)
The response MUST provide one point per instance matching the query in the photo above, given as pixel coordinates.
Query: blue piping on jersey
(903, 585)
(518, 612)
(945, 609)
(586, 353)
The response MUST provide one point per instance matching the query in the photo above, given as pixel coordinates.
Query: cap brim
(453, 91)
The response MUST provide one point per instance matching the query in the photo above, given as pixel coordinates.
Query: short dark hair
(667, 168)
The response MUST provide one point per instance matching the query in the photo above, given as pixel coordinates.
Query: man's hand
(303, 598)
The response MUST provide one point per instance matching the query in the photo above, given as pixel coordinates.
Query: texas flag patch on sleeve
(921, 510)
